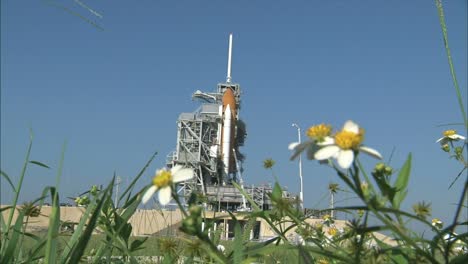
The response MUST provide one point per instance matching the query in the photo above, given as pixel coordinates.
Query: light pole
(301, 193)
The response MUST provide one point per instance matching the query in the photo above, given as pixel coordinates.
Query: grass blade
(20, 183)
(76, 234)
(251, 201)
(11, 247)
(54, 225)
(401, 183)
(4, 175)
(40, 164)
(443, 26)
(238, 252)
(78, 251)
(130, 187)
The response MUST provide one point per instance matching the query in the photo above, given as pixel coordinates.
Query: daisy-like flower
(320, 133)
(344, 145)
(437, 223)
(450, 135)
(163, 181)
(332, 231)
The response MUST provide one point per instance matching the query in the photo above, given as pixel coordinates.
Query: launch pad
(208, 141)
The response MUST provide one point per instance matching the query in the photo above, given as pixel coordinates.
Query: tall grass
(381, 193)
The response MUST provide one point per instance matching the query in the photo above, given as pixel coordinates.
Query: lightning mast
(228, 78)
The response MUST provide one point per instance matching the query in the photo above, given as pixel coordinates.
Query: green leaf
(40, 164)
(130, 187)
(20, 183)
(401, 183)
(137, 244)
(398, 259)
(460, 259)
(34, 252)
(73, 241)
(12, 243)
(387, 190)
(4, 175)
(131, 207)
(304, 255)
(86, 235)
(276, 194)
(6, 208)
(54, 225)
(238, 245)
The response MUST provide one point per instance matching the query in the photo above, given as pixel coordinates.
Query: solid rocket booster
(227, 138)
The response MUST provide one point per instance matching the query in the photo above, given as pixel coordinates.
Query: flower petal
(440, 139)
(327, 152)
(372, 152)
(456, 137)
(345, 158)
(351, 127)
(293, 145)
(326, 141)
(299, 148)
(182, 175)
(149, 193)
(165, 194)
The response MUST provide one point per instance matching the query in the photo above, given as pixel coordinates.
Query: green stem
(449, 57)
(455, 219)
(176, 198)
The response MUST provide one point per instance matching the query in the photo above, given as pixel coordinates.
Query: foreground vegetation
(381, 193)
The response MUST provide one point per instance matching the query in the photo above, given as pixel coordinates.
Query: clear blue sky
(115, 95)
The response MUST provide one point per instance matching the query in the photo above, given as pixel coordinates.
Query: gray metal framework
(198, 140)
(198, 147)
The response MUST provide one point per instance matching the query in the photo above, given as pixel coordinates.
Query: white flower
(450, 135)
(163, 181)
(319, 135)
(437, 223)
(344, 144)
(221, 248)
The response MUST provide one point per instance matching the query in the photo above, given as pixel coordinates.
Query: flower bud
(365, 189)
(380, 167)
(458, 151)
(360, 213)
(388, 170)
(446, 148)
(94, 190)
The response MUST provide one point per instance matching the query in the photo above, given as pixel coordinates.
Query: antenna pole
(228, 79)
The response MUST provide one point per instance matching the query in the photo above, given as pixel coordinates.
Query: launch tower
(208, 141)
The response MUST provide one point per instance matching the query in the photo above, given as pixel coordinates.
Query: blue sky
(114, 95)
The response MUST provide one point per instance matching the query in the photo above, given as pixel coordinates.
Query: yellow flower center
(319, 132)
(450, 132)
(163, 178)
(332, 231)
(436, 221)
(349, 140)
(322, 261)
